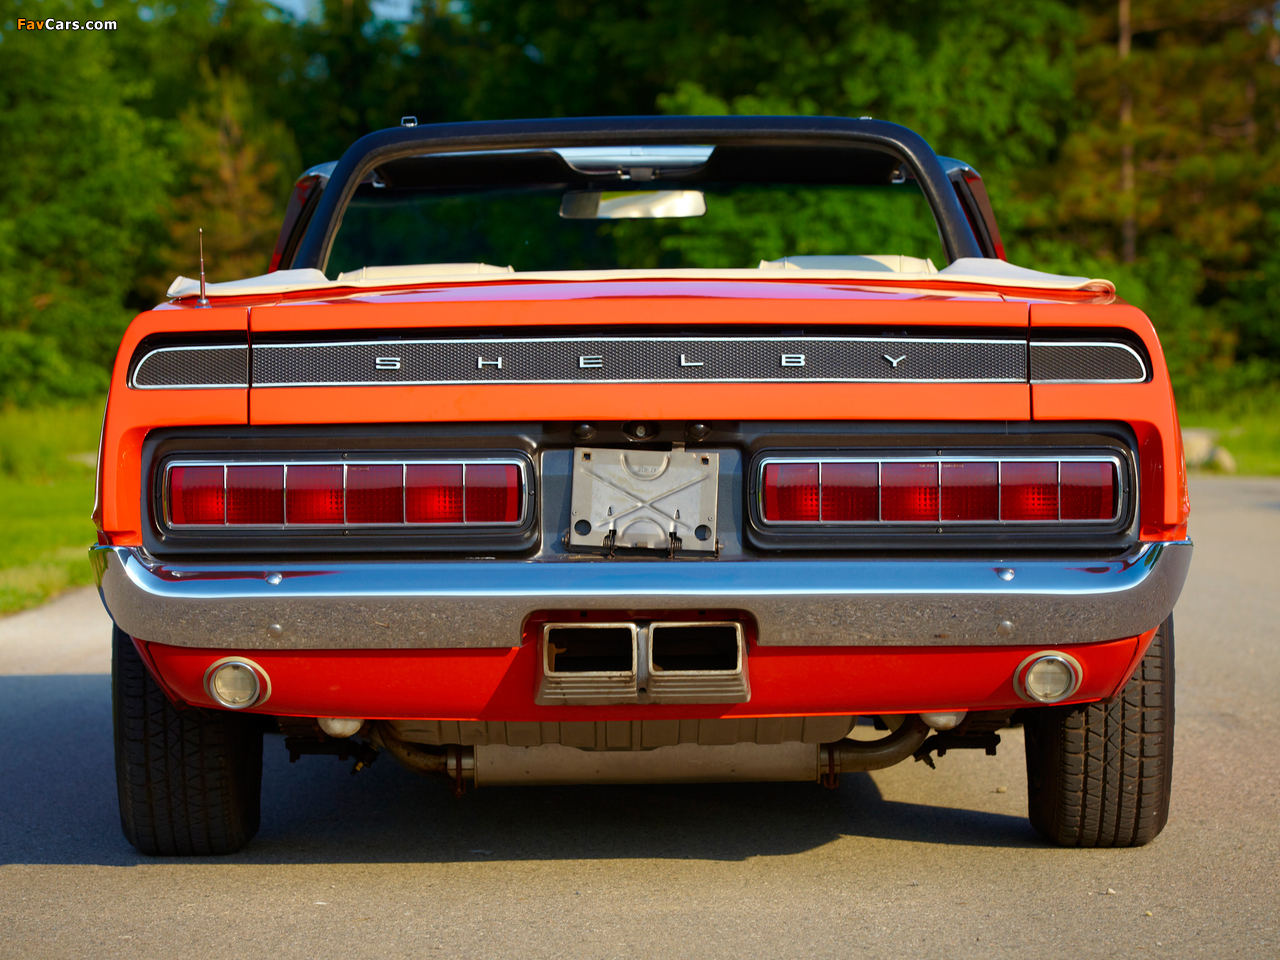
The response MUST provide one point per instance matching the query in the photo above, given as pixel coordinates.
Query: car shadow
(59, 803)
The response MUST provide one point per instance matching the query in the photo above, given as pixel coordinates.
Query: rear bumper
(363, 605)
(478, 696)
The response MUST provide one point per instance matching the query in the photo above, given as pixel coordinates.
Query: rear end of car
(656, 524)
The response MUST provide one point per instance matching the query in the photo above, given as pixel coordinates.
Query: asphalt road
(905, 862)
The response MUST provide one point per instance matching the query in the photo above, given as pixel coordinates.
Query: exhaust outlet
(593, 664)
(590, 664)
(697, 663)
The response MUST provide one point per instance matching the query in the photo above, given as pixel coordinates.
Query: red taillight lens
(970, 491)
(375, 493)
(1028, 491)
(493, 493)
(196, 495)
(314, 494)
(909, 491)
(433, 493)
(255, 494)
(791, 491)
(1088, 491)
(850, 491)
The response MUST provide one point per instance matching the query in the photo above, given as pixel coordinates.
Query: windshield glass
(534, 211)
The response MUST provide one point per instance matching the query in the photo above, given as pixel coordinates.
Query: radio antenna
(203, 302)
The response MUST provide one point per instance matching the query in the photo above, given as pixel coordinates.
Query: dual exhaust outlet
(660, 661)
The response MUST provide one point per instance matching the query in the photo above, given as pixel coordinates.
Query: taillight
(314, 494)
(1028, 491)
(345, 494)
(970, 491)
(433, 493)
(375, 493)
(255, 494)
(850, 491)
(791, 491)
(491, 493)
(197, 495)
(1088, 491)
(909, 491)
(938, 490)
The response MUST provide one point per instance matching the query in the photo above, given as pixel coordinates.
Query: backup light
(1048, 677)
(234, 683)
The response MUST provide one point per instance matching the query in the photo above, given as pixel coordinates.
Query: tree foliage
(1147, 154)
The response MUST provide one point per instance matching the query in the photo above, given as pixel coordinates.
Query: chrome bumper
(443, 604)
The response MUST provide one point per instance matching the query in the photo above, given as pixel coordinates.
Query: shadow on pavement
(58, 798)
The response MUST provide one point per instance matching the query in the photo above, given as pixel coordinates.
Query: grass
(1252, 438)
(46, 495)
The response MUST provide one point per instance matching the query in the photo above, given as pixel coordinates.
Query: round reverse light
(235, 684)
(1048, 677)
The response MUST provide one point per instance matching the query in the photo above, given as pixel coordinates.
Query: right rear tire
(189, 780)
(1099, 775)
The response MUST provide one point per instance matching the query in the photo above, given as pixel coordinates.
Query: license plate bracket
(644, 499)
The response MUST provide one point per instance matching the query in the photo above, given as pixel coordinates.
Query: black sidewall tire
(188, 780)
(1100, 775)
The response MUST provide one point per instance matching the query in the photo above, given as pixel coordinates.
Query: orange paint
(1147, 407)
(132, 414)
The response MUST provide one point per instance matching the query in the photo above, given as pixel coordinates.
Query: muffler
(556, 764)
(552, 764)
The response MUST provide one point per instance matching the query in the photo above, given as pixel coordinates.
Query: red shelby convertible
(602, 451)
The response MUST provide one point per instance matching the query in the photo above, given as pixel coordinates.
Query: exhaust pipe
(854, 756)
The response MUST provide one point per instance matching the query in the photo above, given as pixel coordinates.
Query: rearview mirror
(632, 205)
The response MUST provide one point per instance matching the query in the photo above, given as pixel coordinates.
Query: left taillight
(197, 495)
(345, 494)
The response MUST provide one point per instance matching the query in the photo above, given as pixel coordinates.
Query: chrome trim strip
(1107, 344)
(133, 377)
(403, 464)
(456, 604)
(1115, 462)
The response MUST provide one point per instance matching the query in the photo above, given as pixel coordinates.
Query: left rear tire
(189, 780)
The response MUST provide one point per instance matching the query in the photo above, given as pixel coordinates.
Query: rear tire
(1099, 775)
(189, 780)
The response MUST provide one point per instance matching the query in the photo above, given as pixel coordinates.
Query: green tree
(84, 183)
(233, 168)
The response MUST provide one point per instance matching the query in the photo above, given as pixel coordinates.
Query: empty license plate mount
(644, 499)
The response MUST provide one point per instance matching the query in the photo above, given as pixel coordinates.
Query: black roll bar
(396, 143)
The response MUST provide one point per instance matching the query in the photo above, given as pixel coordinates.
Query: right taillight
(433, 493)
(940, 490)
(1088, 491)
